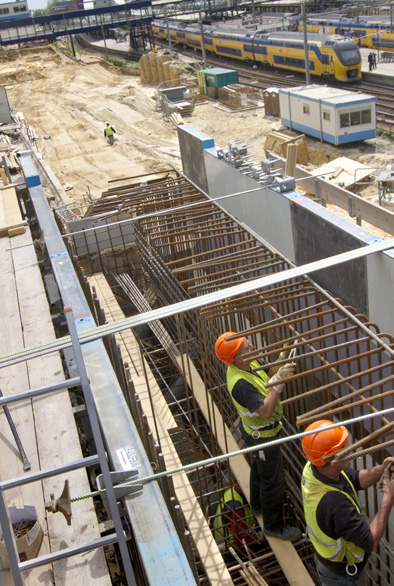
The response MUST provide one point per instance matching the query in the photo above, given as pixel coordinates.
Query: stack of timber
(237, 96)
(185, 108)
(176, 119)
(276, 142)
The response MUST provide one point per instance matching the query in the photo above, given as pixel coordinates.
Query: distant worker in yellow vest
(109, 132)
(341, 534)
(260, 414)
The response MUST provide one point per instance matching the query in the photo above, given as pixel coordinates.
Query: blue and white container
(337, 116)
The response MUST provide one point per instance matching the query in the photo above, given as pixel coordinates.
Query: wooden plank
(14, 379)
(343, 171)
(12, 229)
(46, 424)
(291, 159)
(16, 230)
(207, 548)
(11, 223)
(11, 207)
(4, 177)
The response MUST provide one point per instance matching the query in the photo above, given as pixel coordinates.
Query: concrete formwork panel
(192, 144)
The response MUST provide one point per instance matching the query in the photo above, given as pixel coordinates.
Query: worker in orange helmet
(341, 534)
(260, 414)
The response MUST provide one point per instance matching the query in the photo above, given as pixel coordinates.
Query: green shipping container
(219, 77)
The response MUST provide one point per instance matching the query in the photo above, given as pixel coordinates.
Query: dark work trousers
(267, 482)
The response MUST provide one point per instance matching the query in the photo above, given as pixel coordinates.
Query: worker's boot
(287, 533)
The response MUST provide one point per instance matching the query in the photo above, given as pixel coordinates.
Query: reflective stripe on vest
(335, 550)
(252, 421)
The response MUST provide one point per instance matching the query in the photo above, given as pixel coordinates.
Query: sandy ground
(67, 103)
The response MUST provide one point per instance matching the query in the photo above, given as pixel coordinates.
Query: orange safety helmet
(317, 445)
(226, 349)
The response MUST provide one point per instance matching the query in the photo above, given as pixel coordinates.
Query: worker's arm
(272, 399)
(370, 477)
(378, 525)
(269, 405)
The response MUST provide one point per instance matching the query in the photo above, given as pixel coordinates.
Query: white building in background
(12, 10)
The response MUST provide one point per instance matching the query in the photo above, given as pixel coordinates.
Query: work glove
(282, 356)
(284, 371)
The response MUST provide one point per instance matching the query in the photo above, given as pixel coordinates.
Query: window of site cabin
(326, 115)
(306, 109)
(355, 118)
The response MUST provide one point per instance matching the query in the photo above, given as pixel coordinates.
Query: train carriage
(373, 35)
(330, 56)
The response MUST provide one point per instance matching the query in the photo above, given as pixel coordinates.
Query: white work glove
(284, 354)
(284, 372)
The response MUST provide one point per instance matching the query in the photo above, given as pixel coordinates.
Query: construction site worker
(341, 534)
(109, 132)
(260, 414)
(233, 518)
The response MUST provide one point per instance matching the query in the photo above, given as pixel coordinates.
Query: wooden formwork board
(45, 425)
(277, 142)
(11, 223)
(287, 556)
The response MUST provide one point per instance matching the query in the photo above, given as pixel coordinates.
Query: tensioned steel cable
(208, 461)
(196, 302)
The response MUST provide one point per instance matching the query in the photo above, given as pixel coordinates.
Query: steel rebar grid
(344, 335)
(282, 305)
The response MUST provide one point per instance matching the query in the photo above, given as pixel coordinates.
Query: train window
(326, 115)
(344, 120)
(306, 109)
(365, 116)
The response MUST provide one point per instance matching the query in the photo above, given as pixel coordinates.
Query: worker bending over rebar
(260, 414)
(341, 535)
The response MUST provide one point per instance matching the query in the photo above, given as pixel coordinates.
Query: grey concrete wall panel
(265, 211)
(304, 231)
(99, 240)
(320, 234)
(192, 144)
(5, 115)
(381, 290)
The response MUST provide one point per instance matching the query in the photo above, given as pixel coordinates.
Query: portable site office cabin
(332, 115)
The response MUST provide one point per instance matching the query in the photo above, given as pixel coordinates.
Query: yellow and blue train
(330, 56)
(374, 35)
